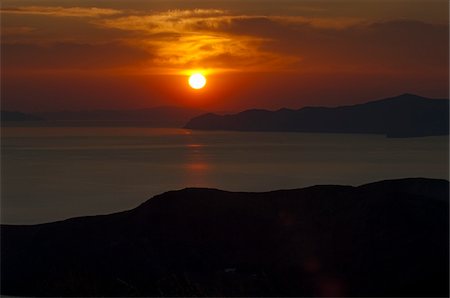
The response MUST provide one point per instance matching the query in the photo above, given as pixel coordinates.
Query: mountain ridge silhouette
(388, 238)
(406, 115)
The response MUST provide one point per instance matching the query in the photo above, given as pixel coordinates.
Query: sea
(54, 173)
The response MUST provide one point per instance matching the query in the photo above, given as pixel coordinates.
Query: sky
(126, 54)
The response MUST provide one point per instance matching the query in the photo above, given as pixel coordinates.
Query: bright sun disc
(197, 81)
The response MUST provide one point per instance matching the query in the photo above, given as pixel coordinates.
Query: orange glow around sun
(197, 81)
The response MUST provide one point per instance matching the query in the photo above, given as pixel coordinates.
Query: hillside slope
(388, 238)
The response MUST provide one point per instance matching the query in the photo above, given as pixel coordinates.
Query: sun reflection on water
(197, 169)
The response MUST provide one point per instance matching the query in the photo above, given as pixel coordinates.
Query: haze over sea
(53, 173)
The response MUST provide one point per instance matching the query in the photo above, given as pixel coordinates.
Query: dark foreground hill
(406, 115)
(388, 238)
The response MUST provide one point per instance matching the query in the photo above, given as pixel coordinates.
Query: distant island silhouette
(165, 116)
(18, 116)
(389, 238)
(406, 115)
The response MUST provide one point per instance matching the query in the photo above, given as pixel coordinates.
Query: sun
(197, 81)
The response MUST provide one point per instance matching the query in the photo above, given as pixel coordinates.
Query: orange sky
(267, 54)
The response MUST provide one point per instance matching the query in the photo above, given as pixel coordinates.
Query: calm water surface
(54, 173)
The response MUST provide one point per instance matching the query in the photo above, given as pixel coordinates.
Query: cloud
(180, 21)
(177, 41)
(219, 39)
(67, 55)
(353, 46)
(17, 30)
(59, 11)
(337, 23)
(186, 39)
